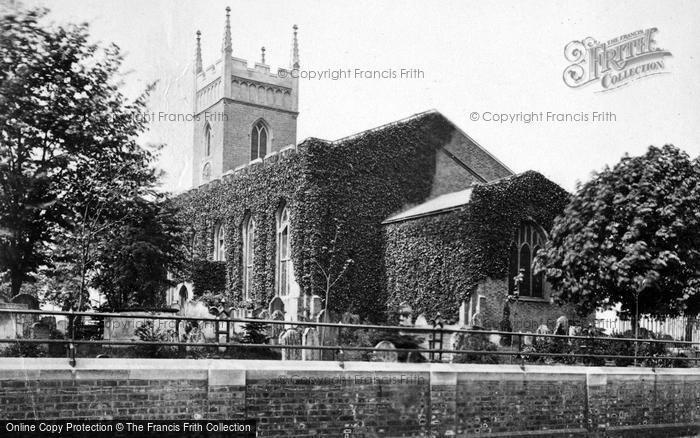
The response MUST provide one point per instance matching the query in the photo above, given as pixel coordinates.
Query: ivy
(208, 277)
(435, 262)
(352, 184)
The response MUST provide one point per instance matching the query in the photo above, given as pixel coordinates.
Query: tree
(134, 259)
(330, 269)
(631, 236)
(68, 137)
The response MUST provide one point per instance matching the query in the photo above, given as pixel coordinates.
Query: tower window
(527, 240)
(283, 254)
(258, 140)
(248, 256)
(219, 243)
(207, 140)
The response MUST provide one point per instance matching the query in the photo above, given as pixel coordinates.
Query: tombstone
(562, 326)
(405, 315)
(24, 321)
(310, 338)
(315, 306)
(40, 331)
(263, 314)
(542, 330)
(31, 302)
(276, 305)
(276, 329)
(50, 321)
(290, 337)
(328, 335)
(421, 321)
(385, 356)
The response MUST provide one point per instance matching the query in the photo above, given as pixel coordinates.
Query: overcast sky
(476, 56)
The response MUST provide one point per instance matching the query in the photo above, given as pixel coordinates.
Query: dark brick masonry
(323, 399)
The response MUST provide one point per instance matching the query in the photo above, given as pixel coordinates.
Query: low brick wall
(324, 399)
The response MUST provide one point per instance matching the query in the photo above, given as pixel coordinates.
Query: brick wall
(528, 314)
(323, 399)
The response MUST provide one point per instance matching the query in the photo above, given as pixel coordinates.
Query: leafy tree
(134, 258)
(68, 144)
(631, 235)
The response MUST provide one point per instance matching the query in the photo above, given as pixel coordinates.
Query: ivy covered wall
(353, 184)
(435, 262)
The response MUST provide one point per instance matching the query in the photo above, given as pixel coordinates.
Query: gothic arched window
(283, 254)
(207, 140)
(248, 256)
(258, 140)
(527, 240)
(219, 243)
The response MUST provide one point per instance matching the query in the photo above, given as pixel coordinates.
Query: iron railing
(579, 348)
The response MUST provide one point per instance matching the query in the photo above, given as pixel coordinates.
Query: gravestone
(40, 331)
(421, 321)
(276, 305)
(24, 321)
(315, 306)
(290, 337)
(276, 329)
(385, 356)
(562, 326)
(328, 335)
(310, 338)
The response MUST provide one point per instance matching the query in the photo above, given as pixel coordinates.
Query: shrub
(476, 342)
(23, 349)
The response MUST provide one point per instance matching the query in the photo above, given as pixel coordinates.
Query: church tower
(242, 113)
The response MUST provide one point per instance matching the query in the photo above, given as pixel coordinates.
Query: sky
(474, 57)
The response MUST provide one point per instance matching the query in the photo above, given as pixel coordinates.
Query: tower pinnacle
(295, 49)
(198, 54)
(227, 46)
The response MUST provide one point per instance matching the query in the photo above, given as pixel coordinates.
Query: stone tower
(242, 113)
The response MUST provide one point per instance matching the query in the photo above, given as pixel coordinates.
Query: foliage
(358, 182)
(475, 342)
(209, 279)
(632, 229)
(477, 239)
(135, 258)
(148, 332)
(255, 333)
(589, 349)
(68, 138)
(22, 349)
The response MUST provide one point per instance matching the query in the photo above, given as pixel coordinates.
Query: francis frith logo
(616, 62)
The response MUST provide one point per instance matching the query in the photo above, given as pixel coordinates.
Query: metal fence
(471, 346)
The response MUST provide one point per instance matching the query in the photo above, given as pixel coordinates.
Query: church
(413, 214)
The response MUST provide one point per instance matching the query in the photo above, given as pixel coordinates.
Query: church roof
(441, 204)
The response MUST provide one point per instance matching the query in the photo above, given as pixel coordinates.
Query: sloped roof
(440, 204)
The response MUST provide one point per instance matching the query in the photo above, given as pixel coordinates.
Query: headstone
(421, 321)
(562, 326)
(405, 315)
(290, 337)
(315, 306)
(40, 331)
(276, 329)
(31, 302)
(263, 314)
(310, 338)
(276, 305)
(328, 335)
(385, 356)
